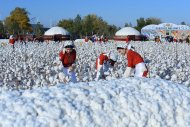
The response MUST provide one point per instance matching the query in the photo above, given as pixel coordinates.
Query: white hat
(125, 45)
(68, 43)
(122, 45)
(11, 37)
(113, 56)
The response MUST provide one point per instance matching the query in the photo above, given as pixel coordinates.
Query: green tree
(11, 26)
(112, 30)
(153, 20)
(77, 26)
(18, 21)
(101, 26)
(140, 23)
(38, 30)
(90, 24)
(67, 24)
(1, 27)
(128, 24)
(183, 23)
(94, 24)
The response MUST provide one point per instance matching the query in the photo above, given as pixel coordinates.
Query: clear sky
(116, 12)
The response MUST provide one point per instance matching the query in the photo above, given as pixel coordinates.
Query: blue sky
(116, 12)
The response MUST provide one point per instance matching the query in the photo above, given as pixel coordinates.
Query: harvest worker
(67, 56)
(105, 62)
(134, 61)
(11, 41)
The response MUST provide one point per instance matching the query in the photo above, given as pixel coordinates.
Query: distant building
(57, 34)
(127, 34)
(166, 30)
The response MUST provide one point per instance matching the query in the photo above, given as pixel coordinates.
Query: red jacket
(67, 59)
(127, 39)
(133, 58)
(11, 41)
(101, 60)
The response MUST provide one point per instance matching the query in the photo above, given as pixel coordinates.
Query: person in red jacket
(68, 56)
(127, 39)
(134, 61)
(11, 40)
(104, 63)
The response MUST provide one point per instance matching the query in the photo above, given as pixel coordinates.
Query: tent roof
(166, 26)
(56, 30)
(127, 31)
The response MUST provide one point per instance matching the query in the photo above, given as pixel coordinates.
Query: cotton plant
(37, 64)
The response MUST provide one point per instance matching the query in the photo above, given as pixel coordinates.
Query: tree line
(18, 22)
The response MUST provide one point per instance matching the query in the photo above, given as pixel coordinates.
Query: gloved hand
(64, 51)
(72, 68)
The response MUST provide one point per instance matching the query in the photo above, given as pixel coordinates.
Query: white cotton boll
(67, 79)
(95, 105)
(60, 67)
(51, 79)
(32, 72)
(10, 76)
(42, 77)
(28, 83)
(56, 68)
(53, 123)
(48, 71)
(109, 77)
(54, 113)
(38, 82)
(187, 83)
(55, 82)
(25, 81)
(167, 77)
(44, 82)
(62, 77)
(174, 77)
(157, 76)
(85, 78)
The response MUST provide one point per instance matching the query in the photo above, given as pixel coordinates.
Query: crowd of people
(105, 61)
(171, 39)
(96, 38)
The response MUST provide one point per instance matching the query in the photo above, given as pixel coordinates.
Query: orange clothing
(101, 60)
(12, 41)
(67, 59)
(127, 39)
(133, 58)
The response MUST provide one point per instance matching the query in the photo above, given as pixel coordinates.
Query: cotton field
(37, 64)
(35, 93)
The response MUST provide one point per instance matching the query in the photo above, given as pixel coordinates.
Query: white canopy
(56, 30)
(127, 31)
(166, 26)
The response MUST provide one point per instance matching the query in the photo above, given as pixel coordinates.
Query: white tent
(127, 31)
(56, 30)
(166, 29)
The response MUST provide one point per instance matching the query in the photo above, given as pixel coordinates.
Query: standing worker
(67, 56)
(134, 61)
(11, 41)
